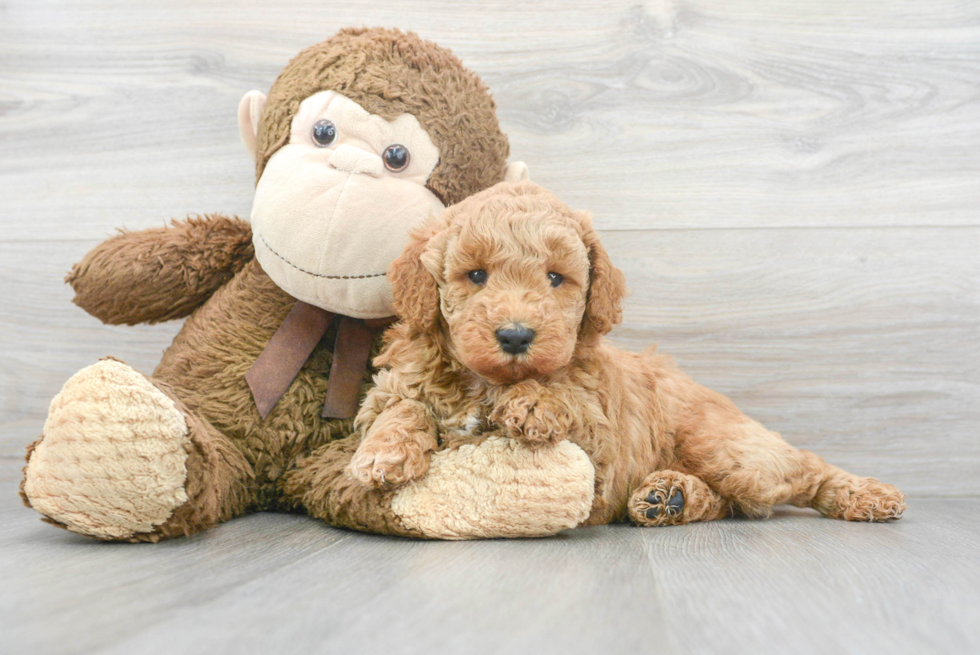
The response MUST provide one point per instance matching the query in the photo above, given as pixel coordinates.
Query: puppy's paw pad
(674, 504)
(671, 498)
(662, 506)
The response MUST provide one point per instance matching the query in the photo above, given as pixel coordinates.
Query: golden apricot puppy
(504, 301)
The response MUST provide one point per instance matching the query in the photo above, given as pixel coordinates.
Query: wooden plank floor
(793, 191)
(272, 583)
(792, 188)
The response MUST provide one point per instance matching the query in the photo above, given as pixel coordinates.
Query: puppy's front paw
(531, 414)
(388, 463)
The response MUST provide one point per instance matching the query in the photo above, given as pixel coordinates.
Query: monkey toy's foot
(672, 498)
(112, 461)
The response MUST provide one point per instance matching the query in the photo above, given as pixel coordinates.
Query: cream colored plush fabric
(112, 460)
(327, 221)
(249, 111)
(366, 132)
(499, 489)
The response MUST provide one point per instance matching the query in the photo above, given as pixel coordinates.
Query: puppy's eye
(324, 133)
(396, 157)
(479, 276)
(556, 279)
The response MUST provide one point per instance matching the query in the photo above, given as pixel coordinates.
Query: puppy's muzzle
(515, 339)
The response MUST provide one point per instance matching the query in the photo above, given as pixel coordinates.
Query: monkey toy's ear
(414, 276)
(516, 172)
(249, 112)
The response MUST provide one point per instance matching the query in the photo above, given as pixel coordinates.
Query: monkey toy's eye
(556, 279)
(396, 157)
(324, 133)
(478, 276)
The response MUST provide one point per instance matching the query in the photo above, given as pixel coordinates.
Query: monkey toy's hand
(533, 413)
(161, 274)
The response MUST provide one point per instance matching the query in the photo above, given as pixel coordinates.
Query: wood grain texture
(799, 585)
(658, 114)
(268, 583)
(859, 344)
(793, 189)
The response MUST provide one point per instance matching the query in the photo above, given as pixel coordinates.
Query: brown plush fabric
(220, 483)
(163, 273)
(389, 72)
(204, 268)
(320, 484)
(206, 367)
(27, 457)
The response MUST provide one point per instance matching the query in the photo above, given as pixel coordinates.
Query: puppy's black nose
(515, 340)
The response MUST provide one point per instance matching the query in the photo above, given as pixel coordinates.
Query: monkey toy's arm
(162, 273)
(535, 415)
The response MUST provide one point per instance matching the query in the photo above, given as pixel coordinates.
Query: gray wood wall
(793, 188)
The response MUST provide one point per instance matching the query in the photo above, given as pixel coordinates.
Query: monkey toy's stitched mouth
(311, 273)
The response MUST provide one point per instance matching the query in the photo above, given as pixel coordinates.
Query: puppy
(504, 300)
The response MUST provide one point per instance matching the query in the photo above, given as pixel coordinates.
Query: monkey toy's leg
(321, 484)
(755, 469)
(674, 498)
(122, 459)
(497, 488)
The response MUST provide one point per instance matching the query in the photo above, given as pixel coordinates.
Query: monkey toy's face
(361, 138)
(334, 205)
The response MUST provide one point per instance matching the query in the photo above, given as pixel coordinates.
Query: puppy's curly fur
(666, 450)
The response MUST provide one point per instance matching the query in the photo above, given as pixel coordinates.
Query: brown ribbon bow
(293, 343)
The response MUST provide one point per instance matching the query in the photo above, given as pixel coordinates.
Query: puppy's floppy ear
(607, 287)
(415, 290)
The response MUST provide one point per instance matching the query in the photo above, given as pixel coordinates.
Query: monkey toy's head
(362, 137)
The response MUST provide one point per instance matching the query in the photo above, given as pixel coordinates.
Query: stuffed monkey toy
(361, 138)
